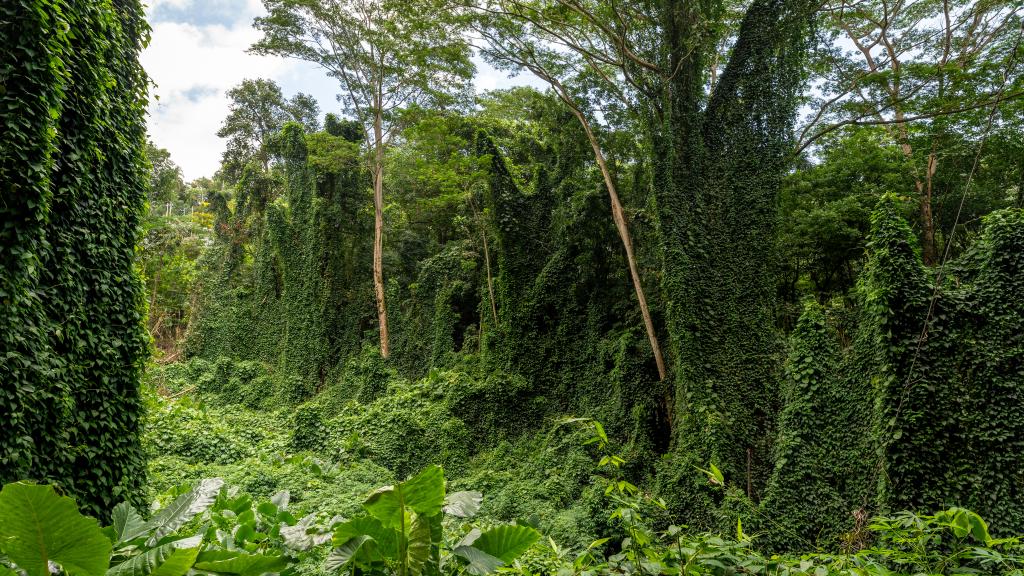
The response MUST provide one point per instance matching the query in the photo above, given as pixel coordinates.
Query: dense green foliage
(840, 295)
(717, 186)
(915, 413)
(290, 522)
(73, 180)
(559, 338)
(242, 536)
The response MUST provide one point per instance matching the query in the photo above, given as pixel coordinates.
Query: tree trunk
(378, 232)
(619, 216)
(487, 263)
(929, 249)
(924, 191)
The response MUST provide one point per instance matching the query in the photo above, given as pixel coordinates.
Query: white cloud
(176, 4)
(192, 67)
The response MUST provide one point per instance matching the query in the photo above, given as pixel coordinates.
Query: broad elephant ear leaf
(479, 562)
(127, 523)
(506, 542)
(183, 508)
(417, 551)
(233, 562)
(385, 539)
(360, 550)
(463, 504)
(178, 564)
(304, 535)
(422, 494)
(38, 527)
(152, 560)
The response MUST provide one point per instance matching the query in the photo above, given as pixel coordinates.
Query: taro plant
(42, 533)
(402, 532)
(956, 540)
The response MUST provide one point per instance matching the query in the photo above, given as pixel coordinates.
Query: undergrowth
(566, 479)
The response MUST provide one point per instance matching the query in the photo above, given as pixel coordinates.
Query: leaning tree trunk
(619, 216)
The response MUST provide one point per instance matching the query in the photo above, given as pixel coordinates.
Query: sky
(198, 52)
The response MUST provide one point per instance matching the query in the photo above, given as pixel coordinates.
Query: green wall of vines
(922, 411)
(72, 105)
(281, 285)
(290, 289)
(719, 161)
(949, 364)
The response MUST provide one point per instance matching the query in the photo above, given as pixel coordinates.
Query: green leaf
(423, 494)
(480, 562)
(361, 550)
(718, 474)
(244, 533)
(178, 564)
(151, 560)
(127, 523)
(267, 509)
(281, 499)
(304, 535)
(961, 525)
(233, 562)
(183, 509)
(978, 527)
(38, 527)
(463, 504)
(417, 551)
(386, 539)
(507, 542)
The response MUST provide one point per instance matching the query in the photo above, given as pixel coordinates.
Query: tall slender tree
(385, 54)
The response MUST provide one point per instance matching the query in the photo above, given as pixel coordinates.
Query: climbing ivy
(921, 411)
(948, 362)
(808, 499)
(72, 104)
(279, 284)
(718, 165)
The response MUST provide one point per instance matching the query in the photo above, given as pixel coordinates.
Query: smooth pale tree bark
(915, 61)
(523, 59)
(378, 234)
(487, 263)
(490, 278)
(518, 48)
(619, 216)
(386, 55)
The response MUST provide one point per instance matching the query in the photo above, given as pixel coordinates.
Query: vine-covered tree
(719, 134)
(73, 183)
(517, 38)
